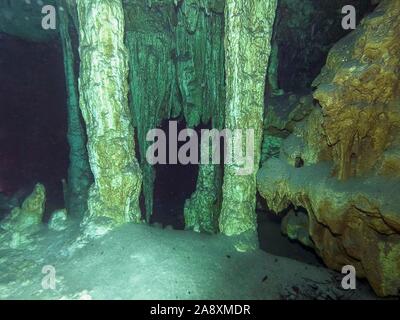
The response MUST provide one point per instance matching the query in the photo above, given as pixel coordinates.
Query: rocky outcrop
(349, 222)
(341, 162)
(30, 213)
(16, 228)
(248, 32)
(358, 90)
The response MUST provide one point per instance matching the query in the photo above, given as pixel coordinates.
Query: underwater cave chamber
(299, 51)
(177, 71)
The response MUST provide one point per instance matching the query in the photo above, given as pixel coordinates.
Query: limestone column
(248, 33)
(79, 175)
(103, 91)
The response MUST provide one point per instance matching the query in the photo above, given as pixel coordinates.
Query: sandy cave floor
(145, 262)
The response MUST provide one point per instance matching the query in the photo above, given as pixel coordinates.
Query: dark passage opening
(33, 120)
(174, 183)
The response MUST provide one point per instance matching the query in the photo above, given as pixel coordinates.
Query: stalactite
(177, 68)
(248, 31)
(152, 79)
(79, 175)
(104, 102)
(200, 63)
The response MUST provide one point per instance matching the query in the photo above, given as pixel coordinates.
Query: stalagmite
(104, 102)
(30, 214)
(202, 209)
(79, 175)
(248, 32)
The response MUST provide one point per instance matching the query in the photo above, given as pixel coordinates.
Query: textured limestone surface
(103, 89)
(354, 222)
(348, 149)
(152, 76)
(358, 90)
(248, 31)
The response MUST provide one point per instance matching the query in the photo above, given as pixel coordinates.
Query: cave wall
(349, 146)
(179, 47)
(304, 33)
